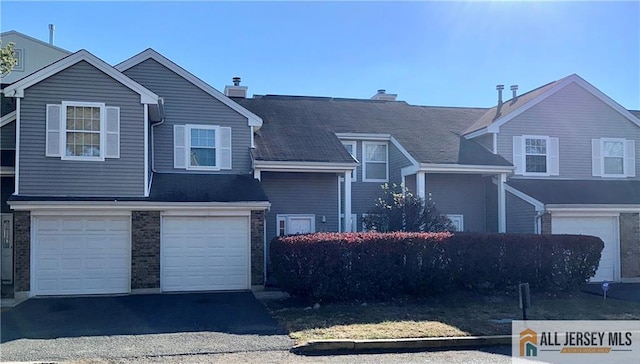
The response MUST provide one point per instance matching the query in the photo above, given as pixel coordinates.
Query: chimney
(236, 90)
(52, 29)
(499, 88)
(384, 96)
(514, 90)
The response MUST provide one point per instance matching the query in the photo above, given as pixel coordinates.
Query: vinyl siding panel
(187, 104)
(459, 194)
(491, 204)
(486, 141)
(397, 161)
(520, 215)
(8, 136)
(40, 175)
(301, 193)
(574, 116)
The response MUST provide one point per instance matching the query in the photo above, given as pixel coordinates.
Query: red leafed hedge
(347, 266)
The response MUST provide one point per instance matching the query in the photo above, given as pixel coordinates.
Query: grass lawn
(443, 315)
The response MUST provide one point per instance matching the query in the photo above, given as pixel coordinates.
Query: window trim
(624, 157)
(64, 130)
(354, 145)
(546, 138)
(188, 128)
(365, 161)
(457, 216)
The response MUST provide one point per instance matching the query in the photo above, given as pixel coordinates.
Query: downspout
(538, 223)
(153, 160)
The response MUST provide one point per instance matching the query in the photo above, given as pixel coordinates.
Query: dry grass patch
(442, 316)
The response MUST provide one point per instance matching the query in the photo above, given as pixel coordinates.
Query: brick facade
(145, 249)
(630, 245)
(257, 247)
(545, 223)
(22, 250)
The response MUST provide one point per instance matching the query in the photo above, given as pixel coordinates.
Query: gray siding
(459, 194)
(397, 161)
(491, 204)
(8, 136)
(486, 141)
(575, 117)
(520, 215)
(302, 193)
(187, 104)
(40, 175)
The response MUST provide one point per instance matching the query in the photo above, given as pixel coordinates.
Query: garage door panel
(82, 255)
(606, 228)
(205, 253)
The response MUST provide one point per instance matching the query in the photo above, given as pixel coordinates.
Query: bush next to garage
(365, 266)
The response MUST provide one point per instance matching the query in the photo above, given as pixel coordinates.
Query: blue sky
(429, 53)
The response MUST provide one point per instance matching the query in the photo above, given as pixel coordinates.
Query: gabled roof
(254, 120)
(298, 128)
(17, 88)
(13, 32)
(495, 117)
(580, 192)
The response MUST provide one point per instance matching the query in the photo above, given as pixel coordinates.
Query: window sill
(85, 159)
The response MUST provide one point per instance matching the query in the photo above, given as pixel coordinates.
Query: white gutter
(132, 205)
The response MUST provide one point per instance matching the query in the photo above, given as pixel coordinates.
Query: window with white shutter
(86, 131)
(202, 147)
(613, 157)
(536, 155)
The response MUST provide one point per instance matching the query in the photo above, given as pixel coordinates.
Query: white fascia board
(409, 170)
(539, 206)
(280, 166)
(559, 209)
(136, 205)
(363, 136)
(17, 88)
(477, 133)
(7, 119)
(463, 168)
(253, 119)
(404, 152)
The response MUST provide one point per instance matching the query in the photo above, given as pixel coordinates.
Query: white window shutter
(112, 132)
(225, 148)
(517, 155)
(596, 158)
(54, 126)
(554, 157)
(630, 158)
(179, 147)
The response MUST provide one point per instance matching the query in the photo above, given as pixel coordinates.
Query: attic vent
(236, 90)
(383, 95)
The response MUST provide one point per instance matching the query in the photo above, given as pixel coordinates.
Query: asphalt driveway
(138, 325)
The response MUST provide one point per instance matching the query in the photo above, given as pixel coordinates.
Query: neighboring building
(143, 178)
(32, 55)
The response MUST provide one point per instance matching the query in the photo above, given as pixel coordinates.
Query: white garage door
(205, 253)
(606, 228)
(81, 255)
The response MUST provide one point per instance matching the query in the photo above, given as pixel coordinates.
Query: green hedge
(347, 266)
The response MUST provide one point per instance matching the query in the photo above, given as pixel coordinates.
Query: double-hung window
(375, 157)
(85, 131)
(201, 147)
(613, 157)
(536, 155)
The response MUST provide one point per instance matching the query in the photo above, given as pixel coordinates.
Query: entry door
(6, 239)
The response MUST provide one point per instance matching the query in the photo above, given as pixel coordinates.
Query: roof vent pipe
(236, 81)
(500, 88)
(514, 90)
(52, 29)
(382, 91)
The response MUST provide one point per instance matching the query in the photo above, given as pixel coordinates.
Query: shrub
(397, 209)
(348, 266)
